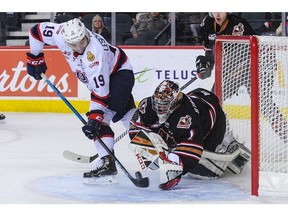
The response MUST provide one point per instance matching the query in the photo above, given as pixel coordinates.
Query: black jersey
(233, 25)
(187, 128)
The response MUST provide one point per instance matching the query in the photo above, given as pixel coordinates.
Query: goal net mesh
(234, 67)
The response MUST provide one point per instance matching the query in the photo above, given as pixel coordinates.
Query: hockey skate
(2, 118)
(105, 172)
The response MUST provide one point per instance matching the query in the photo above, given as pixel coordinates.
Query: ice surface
(33, 170)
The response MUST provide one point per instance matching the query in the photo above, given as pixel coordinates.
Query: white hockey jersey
(93, 67)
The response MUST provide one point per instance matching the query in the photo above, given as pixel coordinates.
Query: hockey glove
(203, 67)
(94, 124)
(36, 65)
(171, 169)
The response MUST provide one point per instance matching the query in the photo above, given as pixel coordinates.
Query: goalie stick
(89, 159)
(139, 181)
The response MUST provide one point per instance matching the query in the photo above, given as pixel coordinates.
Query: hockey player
(103, 68)
(2, 118)
(213, 25)
(184, 133)
(223, 23)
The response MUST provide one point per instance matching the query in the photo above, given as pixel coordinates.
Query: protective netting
(273, 102)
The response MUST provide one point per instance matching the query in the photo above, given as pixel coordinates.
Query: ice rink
(33, 170)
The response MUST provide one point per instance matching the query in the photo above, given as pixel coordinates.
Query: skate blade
(106, 180)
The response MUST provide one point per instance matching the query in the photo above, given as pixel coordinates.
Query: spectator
(147, 22)
(279, 30)
(195, 20)
(99, 27)
(146, 27)
(223, 23)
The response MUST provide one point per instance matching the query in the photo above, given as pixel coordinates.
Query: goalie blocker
(152, 152)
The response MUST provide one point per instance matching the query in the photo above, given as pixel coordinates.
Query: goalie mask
(166, 99)
(74, 33)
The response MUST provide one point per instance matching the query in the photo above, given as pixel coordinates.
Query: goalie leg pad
(230, 145)
(145, 157)
(144, 150)
(152, 152)
(171, 167)
(212, 164)
(237, 165)
(208, 169)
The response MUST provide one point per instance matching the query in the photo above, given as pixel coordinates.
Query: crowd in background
(142, 28)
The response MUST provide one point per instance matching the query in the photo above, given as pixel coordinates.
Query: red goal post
(251, 81)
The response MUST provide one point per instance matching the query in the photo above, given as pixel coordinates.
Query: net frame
(255, 60)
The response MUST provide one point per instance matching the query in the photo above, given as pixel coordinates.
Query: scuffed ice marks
(189, 190)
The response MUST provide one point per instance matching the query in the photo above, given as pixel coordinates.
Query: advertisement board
(20, 92)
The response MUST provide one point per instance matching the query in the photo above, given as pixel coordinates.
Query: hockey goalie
(180, 134)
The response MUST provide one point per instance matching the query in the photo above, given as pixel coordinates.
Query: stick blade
(139, 181)
(78, 157)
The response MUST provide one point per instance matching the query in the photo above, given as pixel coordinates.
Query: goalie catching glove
(152, 152)
(94, 124)
(36, 65)
(203, 66)
(171, 169)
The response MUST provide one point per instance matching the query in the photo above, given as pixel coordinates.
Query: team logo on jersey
(238, 30)
(82, 76)
(90, 56)
(94, 64)
(184, 122)
(142, 106)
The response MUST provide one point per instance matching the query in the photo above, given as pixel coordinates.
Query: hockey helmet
(166, 99)
(73, 31)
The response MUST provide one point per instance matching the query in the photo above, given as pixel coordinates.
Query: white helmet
(73, 31)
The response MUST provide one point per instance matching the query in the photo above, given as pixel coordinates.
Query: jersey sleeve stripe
(189, 150)
(101, 100)
(121, 59)
(36, 33)
(195, 157)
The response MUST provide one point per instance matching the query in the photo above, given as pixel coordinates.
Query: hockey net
(251, 81)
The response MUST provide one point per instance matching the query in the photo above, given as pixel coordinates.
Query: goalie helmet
(166, 99)
(73, 31)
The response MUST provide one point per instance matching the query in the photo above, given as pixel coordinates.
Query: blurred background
(168, 28)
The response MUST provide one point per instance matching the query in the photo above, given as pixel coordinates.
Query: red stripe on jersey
(101, 98)
(191, 144)
(98, 99)
(106, 136)
(121, 59)
(197, 158)
(117, 62)
(39, 33)
(36, 33)
(99, 102)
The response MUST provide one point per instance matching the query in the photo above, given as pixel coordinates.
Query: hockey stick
(89, 159)
(138, 181)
